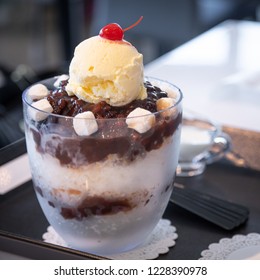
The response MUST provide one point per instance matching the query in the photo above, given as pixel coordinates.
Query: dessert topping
(102, 70)
(37, 92)
(172, 94)
(60, 79)
(43, 108)
(165, 103)
(140, 120)
(114, 31)
(85, 123)
(107, 70)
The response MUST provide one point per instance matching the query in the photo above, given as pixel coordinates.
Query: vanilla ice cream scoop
(106, 70)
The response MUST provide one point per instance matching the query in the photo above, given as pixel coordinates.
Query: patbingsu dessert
(103, 145)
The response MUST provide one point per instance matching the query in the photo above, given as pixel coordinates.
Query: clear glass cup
(202, 143)
(106, 192)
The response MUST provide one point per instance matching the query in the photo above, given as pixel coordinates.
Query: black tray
(22, 222)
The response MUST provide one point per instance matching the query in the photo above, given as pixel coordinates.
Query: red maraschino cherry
(115, 32)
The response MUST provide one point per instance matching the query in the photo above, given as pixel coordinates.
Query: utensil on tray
(225, 214)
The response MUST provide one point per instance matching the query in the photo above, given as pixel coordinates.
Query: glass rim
(146, 78)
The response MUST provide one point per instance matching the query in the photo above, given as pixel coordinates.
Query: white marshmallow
(140, 120)
(37, 92)
(85, 123)
(172, 94)
(63, 77)
(165, 103)
(40, 111)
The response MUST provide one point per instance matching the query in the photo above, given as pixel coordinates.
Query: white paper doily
(239, 247)
(162, 238)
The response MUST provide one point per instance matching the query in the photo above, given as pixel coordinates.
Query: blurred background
(38, 37)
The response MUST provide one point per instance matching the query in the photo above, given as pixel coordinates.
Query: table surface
(20, 213)
(219, 73)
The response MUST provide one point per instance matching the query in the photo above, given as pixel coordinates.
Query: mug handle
(221, 145)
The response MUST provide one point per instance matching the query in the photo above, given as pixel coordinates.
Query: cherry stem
(133, 25)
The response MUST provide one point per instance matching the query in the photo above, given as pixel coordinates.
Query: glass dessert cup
(103, 193)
